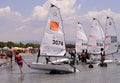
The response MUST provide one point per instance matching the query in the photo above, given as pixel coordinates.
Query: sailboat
(95, 41)
(111, 39)
(53, 45)
(96, 38)
(81, 39)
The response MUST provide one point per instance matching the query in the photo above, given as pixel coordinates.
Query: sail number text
(113, 39)
(56, 42)
(99, 44)
(84, 44)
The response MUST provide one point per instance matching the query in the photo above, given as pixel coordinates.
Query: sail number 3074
(56, 42)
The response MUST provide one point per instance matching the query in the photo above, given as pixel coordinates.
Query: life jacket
(18, 58)
(103, 53)
(83, 54)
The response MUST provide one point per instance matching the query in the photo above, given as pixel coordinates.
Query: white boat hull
(110, 61)
(52, 67)
(118, 63)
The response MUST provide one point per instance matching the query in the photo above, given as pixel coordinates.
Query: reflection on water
(111, 74)
(21, 77)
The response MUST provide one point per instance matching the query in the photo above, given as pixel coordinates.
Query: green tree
(10, 44)
(21, 44)
(29, 45)
(70, 46)
(37, 45)
(2, 44)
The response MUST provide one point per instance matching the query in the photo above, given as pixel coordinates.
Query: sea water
(110, 74)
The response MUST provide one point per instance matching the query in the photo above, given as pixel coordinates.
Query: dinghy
(111, 40)
(96, 39)
(53, 45)
(81, 39)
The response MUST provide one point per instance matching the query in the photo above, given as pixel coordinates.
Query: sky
(24, 20)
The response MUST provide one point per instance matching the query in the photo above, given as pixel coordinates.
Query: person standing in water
(19, 61)
(102, 53)
(47, 59)
(83, 55)
(9, 56)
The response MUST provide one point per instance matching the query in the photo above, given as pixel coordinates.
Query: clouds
(9, 20)
(15, 26)
(7, 11)
(39, 12)
(66, 7)
(101, 16)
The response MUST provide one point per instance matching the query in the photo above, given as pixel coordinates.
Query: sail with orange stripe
(54, 25)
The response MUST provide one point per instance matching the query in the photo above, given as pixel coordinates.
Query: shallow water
(111, 74)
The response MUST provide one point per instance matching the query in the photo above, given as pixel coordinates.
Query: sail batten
(53, 43)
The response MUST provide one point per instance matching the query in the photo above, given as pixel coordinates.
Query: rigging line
(25, 62)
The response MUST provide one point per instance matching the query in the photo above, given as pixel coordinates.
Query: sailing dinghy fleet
(53, 43)
(107, 39)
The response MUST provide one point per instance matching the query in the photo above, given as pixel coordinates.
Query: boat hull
(53, 67)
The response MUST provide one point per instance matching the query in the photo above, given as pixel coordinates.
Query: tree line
(13, 44)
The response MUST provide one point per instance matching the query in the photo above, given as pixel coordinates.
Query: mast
(38, 56)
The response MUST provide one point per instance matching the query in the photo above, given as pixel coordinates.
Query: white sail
(96, 38)
(81, 39)
(53, 43)
(111, 42)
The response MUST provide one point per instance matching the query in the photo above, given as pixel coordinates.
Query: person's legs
(21, 68)
(85, 60)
